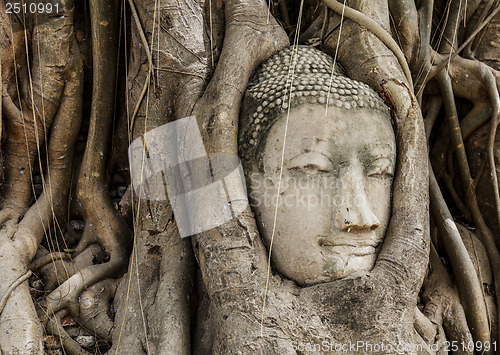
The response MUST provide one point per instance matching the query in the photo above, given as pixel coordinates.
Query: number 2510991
(31, 7)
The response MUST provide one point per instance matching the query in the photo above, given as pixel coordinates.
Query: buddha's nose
(354, 211)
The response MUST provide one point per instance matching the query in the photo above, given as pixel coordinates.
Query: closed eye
(310, 162)
(309, 167)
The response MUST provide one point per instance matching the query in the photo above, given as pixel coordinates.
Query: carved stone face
(335, 195)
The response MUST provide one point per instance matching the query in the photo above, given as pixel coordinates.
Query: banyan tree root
(29, 116)
(103, 224)
(95, 314)
(485, 234)
(56, 93)
(442, 305)
(159, 282)
(58, 271)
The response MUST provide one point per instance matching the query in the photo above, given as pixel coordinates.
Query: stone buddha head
(319, 155)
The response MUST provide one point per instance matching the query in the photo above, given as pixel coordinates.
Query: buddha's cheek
(297, 263)
(296, 252)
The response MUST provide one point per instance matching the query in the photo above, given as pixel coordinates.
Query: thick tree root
(57, 272)
(20, 330)
(102, 221)
(95, 308)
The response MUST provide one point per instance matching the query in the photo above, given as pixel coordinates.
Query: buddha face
(335, 193)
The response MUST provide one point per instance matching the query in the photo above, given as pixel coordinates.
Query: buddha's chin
(336, 267)
(329, 263)
(340, 266)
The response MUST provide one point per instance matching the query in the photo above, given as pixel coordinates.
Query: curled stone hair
(268, 94)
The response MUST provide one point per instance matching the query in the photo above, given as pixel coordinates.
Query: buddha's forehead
(316, 125)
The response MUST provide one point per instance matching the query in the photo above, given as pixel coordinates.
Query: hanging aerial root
(468, 282)
(150, 68)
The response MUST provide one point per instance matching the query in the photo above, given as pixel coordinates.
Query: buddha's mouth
(359, 246)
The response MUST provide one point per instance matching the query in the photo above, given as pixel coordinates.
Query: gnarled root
(59, 271)
(95, 308)
(20, 330)
(103, 224)
(443, 307)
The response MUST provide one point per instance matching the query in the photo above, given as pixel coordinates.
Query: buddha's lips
(345, 249)
(361, 243)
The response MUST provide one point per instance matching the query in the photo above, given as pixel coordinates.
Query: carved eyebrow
(314, 151)
(309, 152)
(387, 150)
(384, 151)
(379, 145)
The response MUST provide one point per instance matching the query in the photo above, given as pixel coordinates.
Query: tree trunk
(94, 262)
